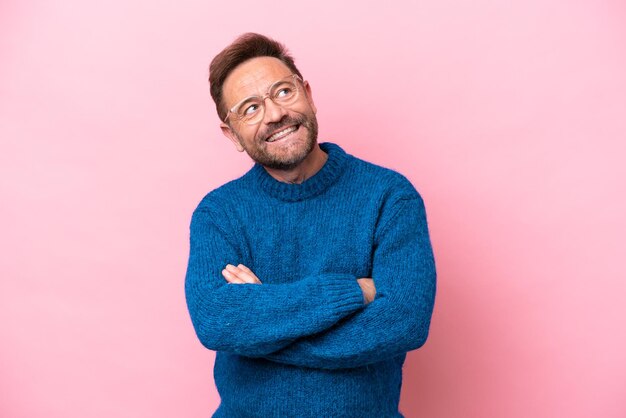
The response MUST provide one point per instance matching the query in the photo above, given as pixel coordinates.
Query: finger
(250, 272)
(242, 275)
(231, 278)
(244, 268)
(247, 277)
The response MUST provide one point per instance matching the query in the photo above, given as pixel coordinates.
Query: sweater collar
(320, 181)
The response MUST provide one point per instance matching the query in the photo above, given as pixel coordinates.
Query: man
(311, 275)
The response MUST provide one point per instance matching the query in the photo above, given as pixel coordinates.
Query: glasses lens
(249, 109)
(282, 93)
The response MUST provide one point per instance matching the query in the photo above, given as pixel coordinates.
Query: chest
(287, 242)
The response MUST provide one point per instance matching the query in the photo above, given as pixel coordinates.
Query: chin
(293, 158)
(291, 153)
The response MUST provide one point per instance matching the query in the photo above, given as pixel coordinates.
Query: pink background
(509, 116)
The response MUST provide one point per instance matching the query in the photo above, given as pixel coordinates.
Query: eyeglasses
(251, 110)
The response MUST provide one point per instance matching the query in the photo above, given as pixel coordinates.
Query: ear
(309, 96)
(228, 133)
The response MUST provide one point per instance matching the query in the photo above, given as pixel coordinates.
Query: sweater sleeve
(256, 319)
(398, 319)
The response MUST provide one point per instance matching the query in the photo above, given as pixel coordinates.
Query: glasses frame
(262, 99)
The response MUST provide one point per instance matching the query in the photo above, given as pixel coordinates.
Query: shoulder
(382, 181)
(220, 199)
(215, 210)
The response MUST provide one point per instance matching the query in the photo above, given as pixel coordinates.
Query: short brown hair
(247, 46)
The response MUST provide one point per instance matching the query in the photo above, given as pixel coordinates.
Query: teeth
(282, 133)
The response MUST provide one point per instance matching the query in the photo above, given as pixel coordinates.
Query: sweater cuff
(342, 293)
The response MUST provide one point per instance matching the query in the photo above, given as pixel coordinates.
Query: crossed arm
(320, 323)
(256, 320)
(241, 275)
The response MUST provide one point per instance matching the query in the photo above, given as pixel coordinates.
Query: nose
(273, 112)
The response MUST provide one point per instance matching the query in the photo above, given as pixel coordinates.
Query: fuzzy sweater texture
(303, 343)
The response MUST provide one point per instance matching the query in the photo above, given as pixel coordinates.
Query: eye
(284, 92)
(248, 109)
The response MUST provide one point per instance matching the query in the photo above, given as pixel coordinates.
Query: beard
(259, 150)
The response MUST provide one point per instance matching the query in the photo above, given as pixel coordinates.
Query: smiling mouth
(282, 133)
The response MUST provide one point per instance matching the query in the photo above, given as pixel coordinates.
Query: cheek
(312, 106)
(306, 109)
(252, 133)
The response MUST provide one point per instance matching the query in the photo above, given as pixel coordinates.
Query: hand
(239, 275)
(368, 288)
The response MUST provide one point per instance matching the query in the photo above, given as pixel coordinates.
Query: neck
(306, 169)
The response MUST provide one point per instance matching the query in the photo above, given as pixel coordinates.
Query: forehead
(253, 77)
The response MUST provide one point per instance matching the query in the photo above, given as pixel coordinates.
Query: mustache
(284, 122)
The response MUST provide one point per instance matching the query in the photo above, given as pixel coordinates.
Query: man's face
(265, 142)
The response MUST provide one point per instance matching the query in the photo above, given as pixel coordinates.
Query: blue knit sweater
(303, 343)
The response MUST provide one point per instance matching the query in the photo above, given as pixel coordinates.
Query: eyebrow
(258, 94)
